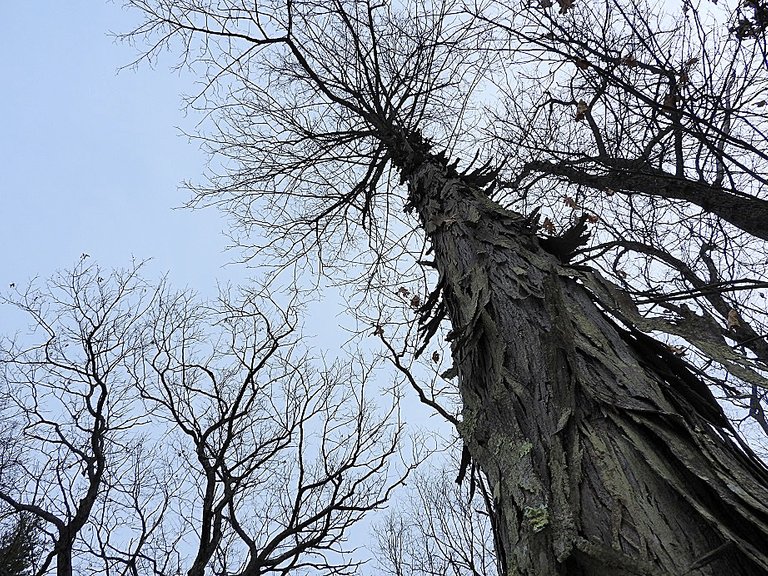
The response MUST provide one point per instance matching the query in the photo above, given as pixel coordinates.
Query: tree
(18, 532)
(70, 404)
(151, 433)
(605, 451)
(18, 545)
(442, 528)
(279, 459)
(669, 137)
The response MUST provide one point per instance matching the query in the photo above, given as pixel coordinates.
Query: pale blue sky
(91, 160)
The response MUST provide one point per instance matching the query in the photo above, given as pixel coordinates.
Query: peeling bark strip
(600, 463)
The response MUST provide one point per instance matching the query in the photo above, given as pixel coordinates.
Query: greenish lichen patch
(525, 448)
(537, 517)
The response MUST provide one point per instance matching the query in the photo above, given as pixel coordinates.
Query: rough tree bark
(606, 456)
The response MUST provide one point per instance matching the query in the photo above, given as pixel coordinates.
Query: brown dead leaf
(570, 202)
(415, 301)
(379, 331)
(436, 357)
(565, 5)
(548, 226)
(670, 99)
(581, 63)
(610, 192)
(734, 322)
(581, 110)
(593, 218)
(629, 60)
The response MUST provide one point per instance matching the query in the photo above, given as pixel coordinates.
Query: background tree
(70, 402)
(18, 545)
(18, 532)
(155, 434)
(440, 528)
(278, 459)
(605, 452)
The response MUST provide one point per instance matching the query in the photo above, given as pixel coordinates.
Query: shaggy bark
(604, 458)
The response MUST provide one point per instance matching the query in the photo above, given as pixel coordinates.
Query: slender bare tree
(440, 528)
(279, 459)
(148, 433)
(70, 401)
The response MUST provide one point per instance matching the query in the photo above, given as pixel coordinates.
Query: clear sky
(91, 160)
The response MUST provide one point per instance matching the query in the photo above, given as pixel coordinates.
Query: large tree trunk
(601, 461)
(64, 558)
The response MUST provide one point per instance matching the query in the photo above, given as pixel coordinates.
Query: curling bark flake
(602, 462)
